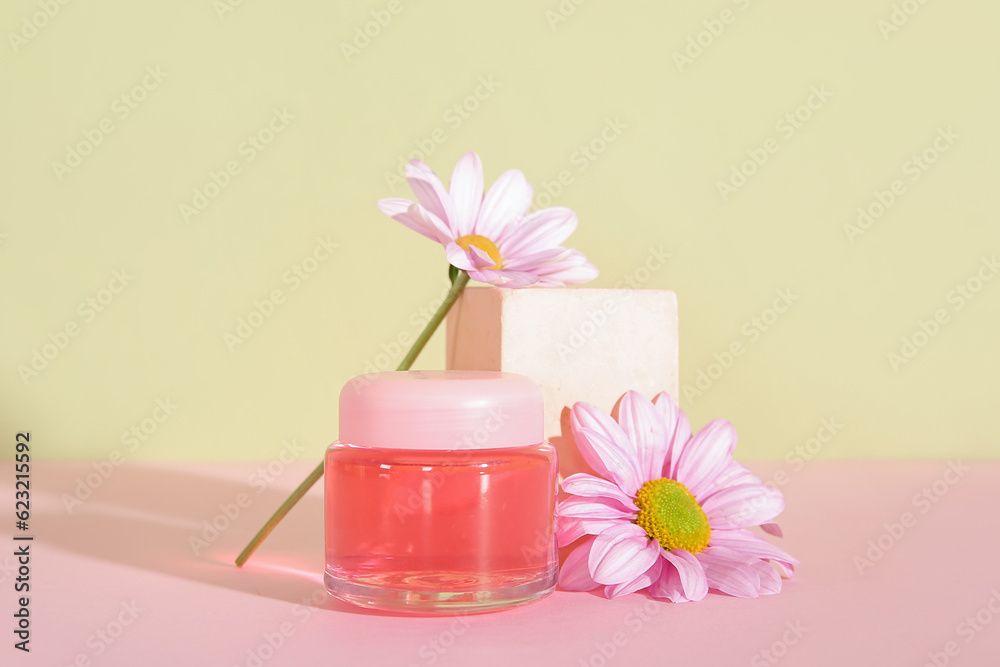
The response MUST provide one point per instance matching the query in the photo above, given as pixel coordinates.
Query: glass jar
(440, 493)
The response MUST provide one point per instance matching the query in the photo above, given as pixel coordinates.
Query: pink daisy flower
(672, 511)
(494, 237)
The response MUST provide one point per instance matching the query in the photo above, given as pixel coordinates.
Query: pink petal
(621, 554)
(392, 206)
(542, 229)
(770, 582)
(431, 193)
(604, 446)
(728, 572)
(668, 585)
(771, 528)
(678, 431)
(582, 484)
(742, 506)
(505, 203)
(642, 581)
(574, 575)
(467, 193)
(569, 530)
(593, 508)
(690, 573)
(530, 262)
(480, 258)
(706, 455)
(608, 457)
(735, 473)
(427, 219)
(458, 257)
(750, 545)
(398, 210)
(572, 270)
(644, 426)
(504, 278)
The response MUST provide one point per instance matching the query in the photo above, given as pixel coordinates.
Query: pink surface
(125, 555)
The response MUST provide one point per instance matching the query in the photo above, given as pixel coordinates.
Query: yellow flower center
(483, 244)
(671, 515)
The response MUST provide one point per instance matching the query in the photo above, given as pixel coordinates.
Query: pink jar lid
(445, 410)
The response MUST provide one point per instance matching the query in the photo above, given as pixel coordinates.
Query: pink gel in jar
(440, 493)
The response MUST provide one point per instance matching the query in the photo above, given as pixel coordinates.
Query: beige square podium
(578, 344)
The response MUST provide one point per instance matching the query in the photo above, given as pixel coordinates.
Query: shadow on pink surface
(171, 520)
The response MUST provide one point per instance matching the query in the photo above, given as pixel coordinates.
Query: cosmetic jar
(440, 493)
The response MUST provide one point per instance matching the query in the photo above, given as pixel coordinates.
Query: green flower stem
(457, 286)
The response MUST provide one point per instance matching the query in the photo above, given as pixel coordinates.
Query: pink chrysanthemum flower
(492, 237)
(672, 511)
